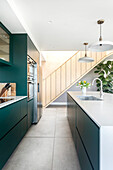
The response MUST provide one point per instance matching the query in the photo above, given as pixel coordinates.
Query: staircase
(68, 74)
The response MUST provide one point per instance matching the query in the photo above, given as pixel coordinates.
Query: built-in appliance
(32, 86)
(30, 77)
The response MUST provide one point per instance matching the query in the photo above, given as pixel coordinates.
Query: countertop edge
(16, 99)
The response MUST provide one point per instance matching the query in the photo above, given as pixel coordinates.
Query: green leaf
(97, 81)
(96, 71)
(98, 85)
(109, 62)
(101, 77)
(98, 68)
(104, 82)
(101, 73)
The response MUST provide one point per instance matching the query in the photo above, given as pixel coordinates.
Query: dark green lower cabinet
(89, 133)
(11, 140)
(85, 135)
(72, 116)
(83, 158)
(11, 115)
(13, 126)
(30, 112)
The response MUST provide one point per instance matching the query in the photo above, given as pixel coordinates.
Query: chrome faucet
(101, 91)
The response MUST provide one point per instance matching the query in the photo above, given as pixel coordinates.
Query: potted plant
(83, 85)
(105, 73)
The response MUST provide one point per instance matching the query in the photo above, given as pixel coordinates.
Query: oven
(30, 78)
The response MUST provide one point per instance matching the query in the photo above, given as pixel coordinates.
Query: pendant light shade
(86, 59)
(101, 45)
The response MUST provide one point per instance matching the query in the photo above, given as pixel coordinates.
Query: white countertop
(15, 99)
(101, 112)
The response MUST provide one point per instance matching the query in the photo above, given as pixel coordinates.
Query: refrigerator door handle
(38, 88)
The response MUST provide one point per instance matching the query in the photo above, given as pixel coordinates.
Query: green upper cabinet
(17, 72)
(5, 46)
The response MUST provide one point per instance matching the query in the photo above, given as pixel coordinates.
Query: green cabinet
(5, 46)
(11, 115)
(85, 134)
(13, 126)
(83, 158)
(72, 117)
(89, 133)
(30, 112)
(11, 140)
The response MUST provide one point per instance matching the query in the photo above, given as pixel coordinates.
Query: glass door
(4, 45)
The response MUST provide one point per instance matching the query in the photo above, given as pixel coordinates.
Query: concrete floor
(47, 145)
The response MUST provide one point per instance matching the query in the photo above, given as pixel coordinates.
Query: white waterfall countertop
(101, 112)
(14, 99)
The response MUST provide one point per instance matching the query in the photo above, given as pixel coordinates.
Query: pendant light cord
(100, 39)
(85, 51)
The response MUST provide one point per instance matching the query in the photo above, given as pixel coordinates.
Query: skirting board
(59, 103)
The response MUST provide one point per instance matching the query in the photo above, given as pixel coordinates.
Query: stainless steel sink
(89, 98)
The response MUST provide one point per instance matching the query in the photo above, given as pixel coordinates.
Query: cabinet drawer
(83, 158)
(89, 133)
(9, 116)
(11, 140)
(23, 108)
(30, 112)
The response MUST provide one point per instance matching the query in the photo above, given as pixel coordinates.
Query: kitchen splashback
(11, 91)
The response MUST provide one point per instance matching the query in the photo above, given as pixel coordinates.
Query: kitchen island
(91, 124)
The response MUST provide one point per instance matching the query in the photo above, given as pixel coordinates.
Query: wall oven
(30, 78)
(32, 85)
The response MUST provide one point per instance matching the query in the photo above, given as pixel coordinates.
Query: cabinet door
(30, 112)
(72, 116)
(69, 110)
(9, 117)
(24, 108)
(11, 140)
(75, 124)
(89, 133)
(5, 41)
(83, 158)
(70, 113)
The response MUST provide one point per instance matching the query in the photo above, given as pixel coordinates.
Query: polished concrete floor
(47, 145)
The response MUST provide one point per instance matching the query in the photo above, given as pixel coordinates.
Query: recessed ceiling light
(50, 22)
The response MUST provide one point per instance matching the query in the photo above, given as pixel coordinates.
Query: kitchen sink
(89, 98)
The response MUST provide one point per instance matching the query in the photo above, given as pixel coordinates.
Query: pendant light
(86, 59)
(101, 45)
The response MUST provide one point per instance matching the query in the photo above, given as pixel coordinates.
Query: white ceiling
(73, 22)
(9, 19)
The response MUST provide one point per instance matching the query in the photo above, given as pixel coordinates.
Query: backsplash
(10, 91)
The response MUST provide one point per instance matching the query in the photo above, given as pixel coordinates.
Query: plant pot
(84, 90)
